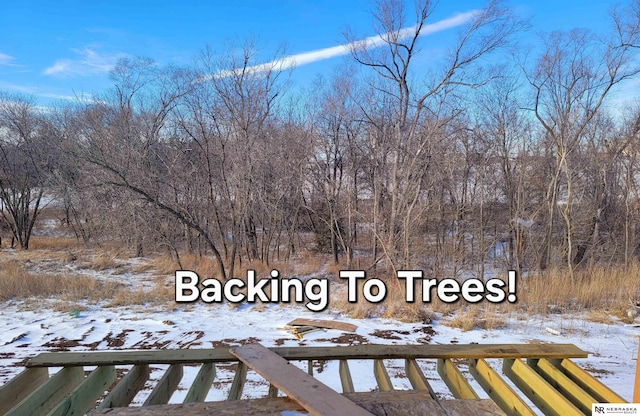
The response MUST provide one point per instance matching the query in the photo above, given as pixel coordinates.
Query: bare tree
(419, 113)
(225, 121)
(570, 82)
(335, 164)
(502, 122)
(25, 165)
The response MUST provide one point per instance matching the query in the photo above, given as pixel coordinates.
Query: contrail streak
(305, 58)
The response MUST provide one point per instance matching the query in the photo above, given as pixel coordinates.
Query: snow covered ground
(26, 331)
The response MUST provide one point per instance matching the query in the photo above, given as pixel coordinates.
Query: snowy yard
(27, 331)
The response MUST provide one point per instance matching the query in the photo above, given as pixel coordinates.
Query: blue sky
(60, 49)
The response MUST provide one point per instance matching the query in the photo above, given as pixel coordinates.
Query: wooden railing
(544, 373)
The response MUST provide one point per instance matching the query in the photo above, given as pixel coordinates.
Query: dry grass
(17, 282)
(309, 263)
(602, 292)
(67, 307)
(600, 317)
(142, 268)
(159, 294)
(205, 266)
(594, 288)
(475, 317)
(54, 243)
(102, 261)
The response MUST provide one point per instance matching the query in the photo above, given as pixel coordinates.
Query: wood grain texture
(397, 403)
(315, 397)
(61, 359)
(321, 323)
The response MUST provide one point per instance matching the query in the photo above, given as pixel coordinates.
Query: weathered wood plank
(84, 397)
(590, 384)
(321, 323)
(311, 394)
(471, 407)
(127, 388)
(91, 358)
(202, 383)
(20, 386)
(382, 376)
(396, 403)
(563, 384)
(162, 392)
(453, 378)
(501, 393)
(47, 396)
(543, 395)
(345, 377)
(238, 382)
(416, 377)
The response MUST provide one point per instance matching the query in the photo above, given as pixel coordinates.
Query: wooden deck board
(127, 388)
(396, 403)
(47, 396)
(321, 323)
(20, 387)
(315, 397)
(90, 358)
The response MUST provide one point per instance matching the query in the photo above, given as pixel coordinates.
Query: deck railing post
(636, 389)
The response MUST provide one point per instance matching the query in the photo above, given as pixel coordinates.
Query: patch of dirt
(349, 339)
(16, 338)
(596, 372)
(4, 355)
(232, 342)
(319, 365)
(61, 344)
(118, 340)
(385, 333)
(280, 341)
(151, 341)
(90, 330)
(196, 335)
(428, 332)
(92, 345)
(219, 344)
(21, 363)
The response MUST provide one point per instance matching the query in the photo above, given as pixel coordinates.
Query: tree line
(485, 155)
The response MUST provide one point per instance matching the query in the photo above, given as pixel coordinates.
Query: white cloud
(6, 60)
(89, 62)
(368, 43)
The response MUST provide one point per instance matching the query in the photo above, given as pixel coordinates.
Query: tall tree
(570, 80)
(25, 165)
(420, 112)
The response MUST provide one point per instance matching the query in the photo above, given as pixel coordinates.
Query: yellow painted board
(453, 378)
(501, 393)
(589, 383)
(417, 378)
(550, 401)
(345, 377)
(564, 384)
(382, 376)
